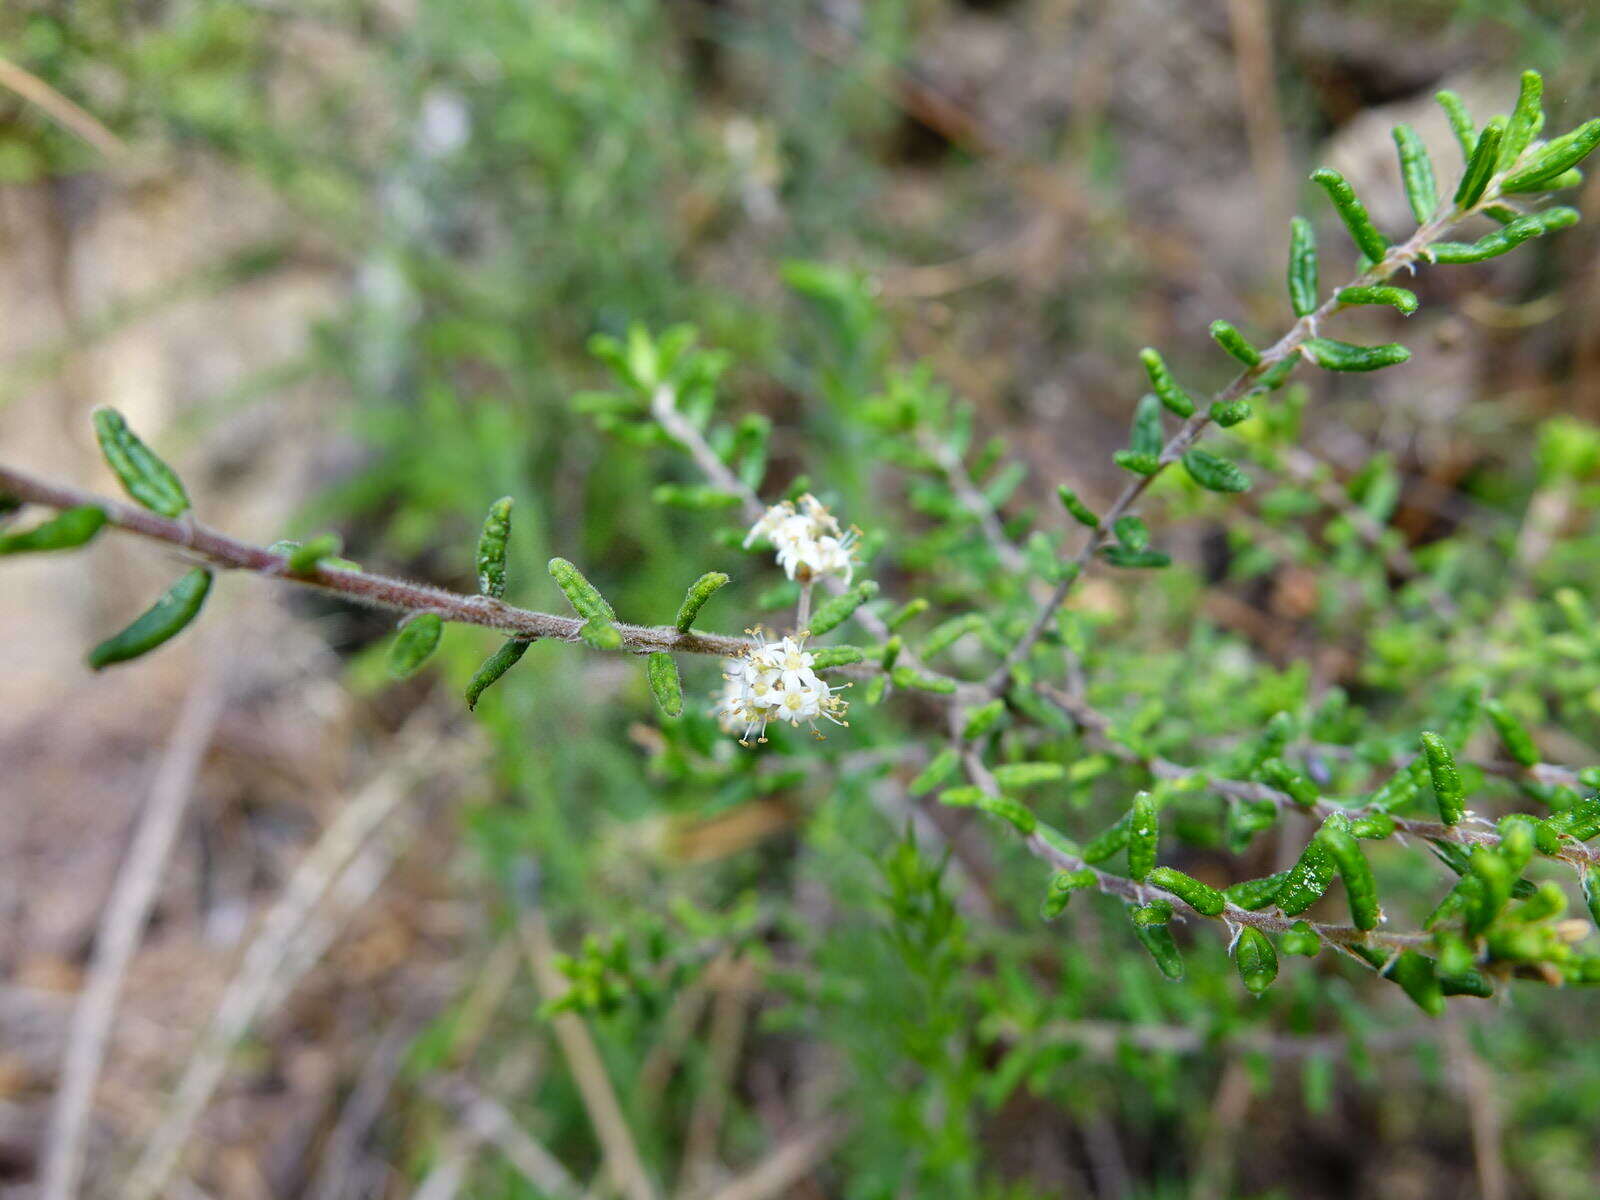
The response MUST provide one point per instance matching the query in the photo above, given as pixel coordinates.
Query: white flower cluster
(774, 681)
(808, 539)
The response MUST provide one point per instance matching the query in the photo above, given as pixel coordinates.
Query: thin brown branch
(211, 548)
(62, 111)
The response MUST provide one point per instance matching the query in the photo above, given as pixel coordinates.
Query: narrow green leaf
(1147, 435)
(905, 677)
(1460, 122)
(1080, 511)
(307, 556)
(414, 644)
(496, 665)
(1255, 894)
(1144, 832)
(142, 473)
(837, 610)
(1201, 897)
(940, 768)
(1215, 474)
(1548, 168)
(1301, 939)
(1514, 735)
(695, 598)
(909, 611)
(1506, 239)
(1062, 885)
(1352, 212)
(1345, 356)
(492, 548)
(1132, 532)
(1256, 960)
(1416, 172)
(1122, 556)
(1235, 343)
(982, 719)
(1028, 774)
(1480, 167)
(1527, 118)
(1139, 464)
(1228, 413)
(824, 657)
(1308, 879)
(1396, 297)
(1303, 286)
(1360, 888)
(69, 528)
(167, 617)
(1176, 401)
(1446, 779)
(1158, 940)
(665, 686)
(1415, 974)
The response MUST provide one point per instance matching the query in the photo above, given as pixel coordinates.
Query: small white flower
(807, 539)
(775, 681)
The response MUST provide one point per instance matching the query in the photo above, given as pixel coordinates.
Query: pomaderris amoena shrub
(1037, 700)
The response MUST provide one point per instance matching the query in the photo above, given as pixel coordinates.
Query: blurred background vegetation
(340, 260)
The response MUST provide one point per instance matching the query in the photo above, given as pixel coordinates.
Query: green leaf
(1132, 532)
(1552, 162)
(307, 557)
(1415, 974)
(905, 677)
(1139, 464)
(496, 665)
(1176, 401)
(142, 473)
(1080, 511)
(414, 645)
(940, 768)
(695, 598)
(492, 549)
(1308, 879)
(163, 620)
(1201, 897)
(1352, 212)
(1235, 343)
(1361, 890)
(1480, 167)
(1028, 774)
(1144, 832)
(1256, 960)
(1122, 556)
(1501, 241)
(1147, 436)
(599, 628)
(1396, 297)
(1157, 939)
(1514, 735)
(1527, 118)
(837, 656)
(1303, 287)
(909, 611)
(1416, 173)
(665, 686)
(69, 528)
(1446, 779)
(1062, 885)
(1215, 474)
(837, 610)
(1460, 122)
(982, 719)
(1345, 356)
(1228, 413)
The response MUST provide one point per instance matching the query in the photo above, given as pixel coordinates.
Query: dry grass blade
(122, 924)
(265, 969)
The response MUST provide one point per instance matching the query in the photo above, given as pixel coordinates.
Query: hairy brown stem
(215, 549)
